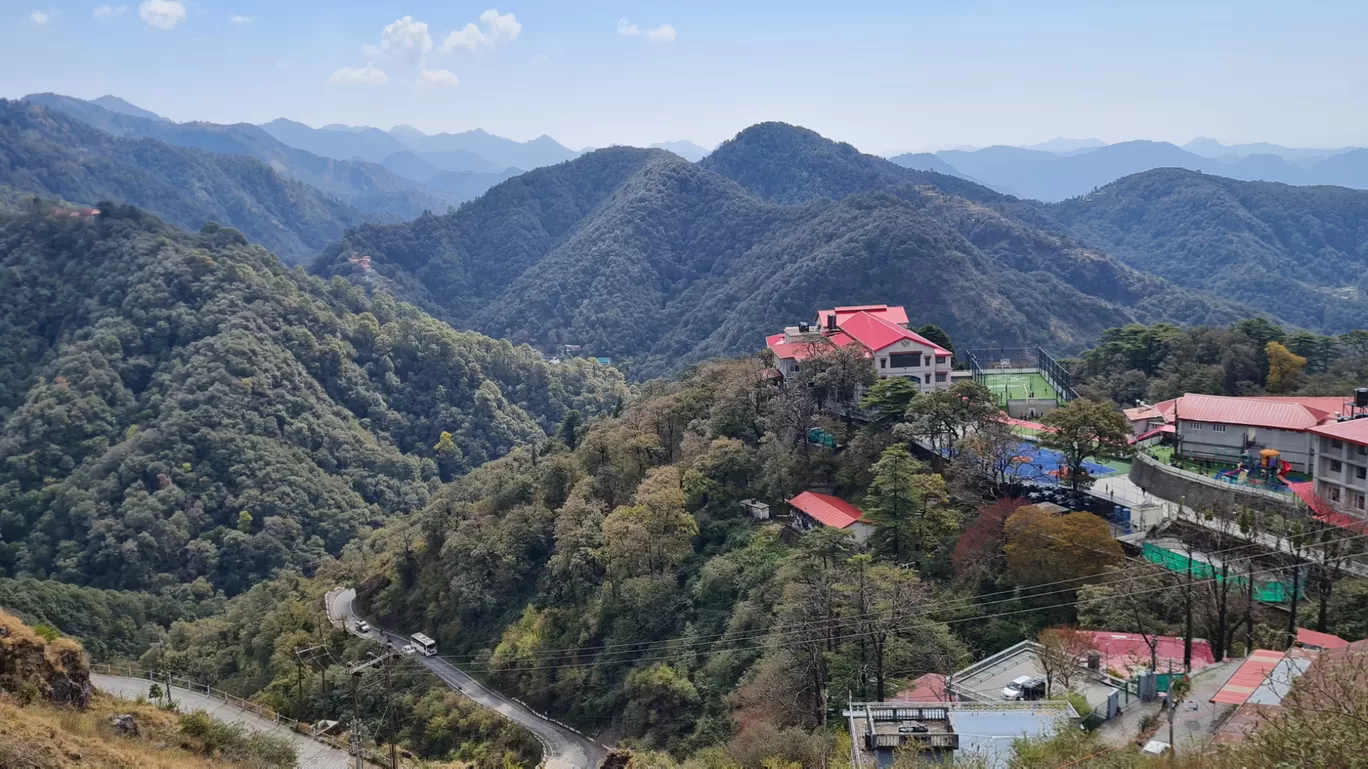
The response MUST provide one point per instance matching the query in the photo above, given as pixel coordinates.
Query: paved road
(1194, 722)
(312, 754)
(564, 748)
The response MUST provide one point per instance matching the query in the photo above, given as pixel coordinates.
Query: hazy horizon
(886, 77)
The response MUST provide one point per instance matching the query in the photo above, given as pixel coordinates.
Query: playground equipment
(1265, 468)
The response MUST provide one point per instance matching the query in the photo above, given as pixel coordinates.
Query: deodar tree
(1083, 429)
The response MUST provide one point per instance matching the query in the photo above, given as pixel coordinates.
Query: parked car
(408, 649)
(1024, 688)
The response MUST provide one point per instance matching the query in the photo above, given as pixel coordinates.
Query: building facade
(1222, 429)
(1342, 465)
(879, 331)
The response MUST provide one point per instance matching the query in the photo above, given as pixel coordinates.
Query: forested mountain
(115, 104)
(503, 153)
(1051, 177)
(368, 187)
(639, 254)
(181, 406)
(1298, 252)
(926, 161)
(50, 154)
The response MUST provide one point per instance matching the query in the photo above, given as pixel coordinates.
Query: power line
(685, 654)
(682, 643)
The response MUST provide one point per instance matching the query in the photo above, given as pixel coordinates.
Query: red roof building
(813, 510)
(1224, 429)
(1314, 639)
(928, 688)
(1124, 651)
(1249, 677)
(1341, 471)
(881, 334)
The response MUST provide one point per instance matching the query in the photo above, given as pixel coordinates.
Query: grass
(1019, 387)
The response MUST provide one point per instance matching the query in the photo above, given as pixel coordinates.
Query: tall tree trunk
(1218, 648)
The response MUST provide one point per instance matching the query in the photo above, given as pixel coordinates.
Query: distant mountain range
(657, 262)
(685, 149)
(1051, 176)
(476, 150)
(46, 152)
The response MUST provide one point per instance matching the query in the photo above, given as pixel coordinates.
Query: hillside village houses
(880, 331)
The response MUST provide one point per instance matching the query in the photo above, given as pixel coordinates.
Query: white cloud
(440, 78)
(661, 34)
(107, 11)
(162, 14)
(41, 17)
(500, 26)
(403, 38)
(242, 19)
(497, 27)
(664, 33)
(367, 75)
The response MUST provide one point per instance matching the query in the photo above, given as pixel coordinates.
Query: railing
(246, 706)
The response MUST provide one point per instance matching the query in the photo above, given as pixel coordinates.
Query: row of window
(1361, 450)
(1360, 501)
(1338, 466)
(911, 360)
(1215, 426)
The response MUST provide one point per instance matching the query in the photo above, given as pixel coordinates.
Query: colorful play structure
(1264, 469)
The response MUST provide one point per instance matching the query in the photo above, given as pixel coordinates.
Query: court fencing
(985, 360)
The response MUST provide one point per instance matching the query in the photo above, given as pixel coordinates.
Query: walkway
(1195, 722)
(312, 754)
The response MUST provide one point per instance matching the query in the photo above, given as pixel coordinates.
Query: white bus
(426, 645)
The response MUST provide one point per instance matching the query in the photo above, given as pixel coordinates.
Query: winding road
(563, 747)
(312, 755)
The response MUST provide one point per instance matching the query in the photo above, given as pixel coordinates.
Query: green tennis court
(1019, 387)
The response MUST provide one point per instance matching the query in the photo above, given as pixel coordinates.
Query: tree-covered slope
(368, 187)
(1299, 252)
(639, 254)
(180, 406)
(52, 155)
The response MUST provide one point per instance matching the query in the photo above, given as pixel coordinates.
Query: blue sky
(886, 76)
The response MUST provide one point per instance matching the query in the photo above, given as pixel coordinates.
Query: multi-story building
(1221, 428)
(881, 334)
(1342, 465)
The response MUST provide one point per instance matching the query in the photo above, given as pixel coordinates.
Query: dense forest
(180, 406)
(658, 263)
(1295, 252)
(52, 155)
(368, 187)
(1251, 357)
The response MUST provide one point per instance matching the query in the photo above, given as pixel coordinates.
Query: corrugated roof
(826, 509)
(1320, 640)
(876, 333)
(1249, 677)
(1253, 412)
(891, 313)
(1354, 431)
(1130, 649)
(1279, 681)
(928, 688)
(1141, 412)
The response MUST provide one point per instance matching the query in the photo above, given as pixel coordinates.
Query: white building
(1342, 465)
(882, 335)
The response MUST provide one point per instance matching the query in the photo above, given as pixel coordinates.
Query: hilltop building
(879, 331)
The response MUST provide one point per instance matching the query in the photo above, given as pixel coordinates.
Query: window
(1359, 502)
(940, 376)
(1334, 494)
(1218, 428)
(1361, 472)
(883, 362)
(1194, 425)
(1336, 466)
(1362, 451)
(1336, 443)
(942, 358)
(904, 359)
(928, 360)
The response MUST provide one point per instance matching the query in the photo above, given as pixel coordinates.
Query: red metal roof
(1354, 431)
(890, 313)
(1252, 673)
(1121, 650)
(804, 350)
(1254, 412)
(826, 509)
(1320, 640)
(876, 333)
(1141, 412)
(928, 688)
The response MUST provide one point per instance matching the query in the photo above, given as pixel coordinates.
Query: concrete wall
(1198, 491)
(1352, 459)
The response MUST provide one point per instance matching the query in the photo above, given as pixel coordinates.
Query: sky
(886, 76)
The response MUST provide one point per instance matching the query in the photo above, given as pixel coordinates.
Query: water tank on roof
(1361, 397)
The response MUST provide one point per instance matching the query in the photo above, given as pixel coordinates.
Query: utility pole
(1292, 615)
(170, 703)
(299, 684)
(1187, 620)
(356, 722)
(1173, 749)
(389, 692)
